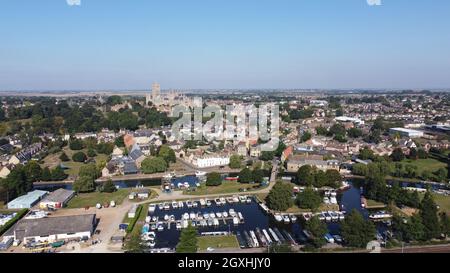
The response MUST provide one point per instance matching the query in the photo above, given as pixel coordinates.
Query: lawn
(91, 199)
(53, 160)
(323, 207)
(217, 242)
(443, 202)
(372, 204)
(429, 164)
(226, 187)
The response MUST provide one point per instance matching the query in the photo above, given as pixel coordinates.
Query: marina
(243, 216)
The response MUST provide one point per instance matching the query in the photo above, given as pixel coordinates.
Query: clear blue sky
(119, 44)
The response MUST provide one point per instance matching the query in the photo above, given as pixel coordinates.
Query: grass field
(53, 160)
(91, 199)
(323, 207)
(443, 202)
(217, 242)
(226, 187)
(429, 164)
(371, 204)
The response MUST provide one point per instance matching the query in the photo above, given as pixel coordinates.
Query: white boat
(151, 208)
(333, 200)
(192, 216)
(232, 213)
(210, 222)
(278, 217)
(199, 216)
(223, 200)
(269, 240)
(178, 225)
(341, 216)
(174, 205)
(172, 218)
(200, 173)
(208, 203)
(307, 216)
(326, 200)
(202, 202)
(180, 204)
(212, 215)
(235, 221)
(329, 238)
(242, 198)
(152, 227)
(161, 206)
(293, 218)
(154, 218)
(166, 206)
(218, 202)
(219, 214)
(189, 204)
(274, 235)
(160, 227)
(255, 240)
(225, 214)
(166, 217)
(186, 216)
(327, 217)
(380, 215)
(216, 222)
(286, 219)
(334, 215)
(230, 200)
(185, 223)
(204, 223)
(236, 199)
(241, 218)
(194, 204)
(206, 215)
(248, 200)
(148, 219)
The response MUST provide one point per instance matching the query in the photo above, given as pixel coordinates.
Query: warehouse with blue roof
(27, 201)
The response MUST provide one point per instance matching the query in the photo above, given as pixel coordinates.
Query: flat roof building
(406, 132)
(57, 199)
(27, 201)
(53, 229)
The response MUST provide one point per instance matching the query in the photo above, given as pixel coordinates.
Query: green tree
(441, 174)
(58, 174)
(318, 229)
(280, 197)
(306, 175)
(356, 231)
(334, 178)
(213, 179)
(109, 186)
(79, 157)
(429, 215)
(167, 153)
(305, 137)
(119, 142)
(91, 153)
(397, 155)
(89, 170)
(309, 199)
(359, 169)
(235, 162)
(245, 176)
(46, 175)
(445, 224)
(76, 144)
(258, 175)
(84, 184)
(153, 165)
(33, 171)
(188, 240)
(63, 157)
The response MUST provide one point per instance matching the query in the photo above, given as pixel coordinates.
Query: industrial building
(53, 229)
(57, 199)
(403, 132)
(27, 201)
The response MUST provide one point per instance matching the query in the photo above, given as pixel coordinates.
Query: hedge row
(11, 222)
(134, 220)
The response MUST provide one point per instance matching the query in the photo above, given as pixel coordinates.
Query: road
(420, 249)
